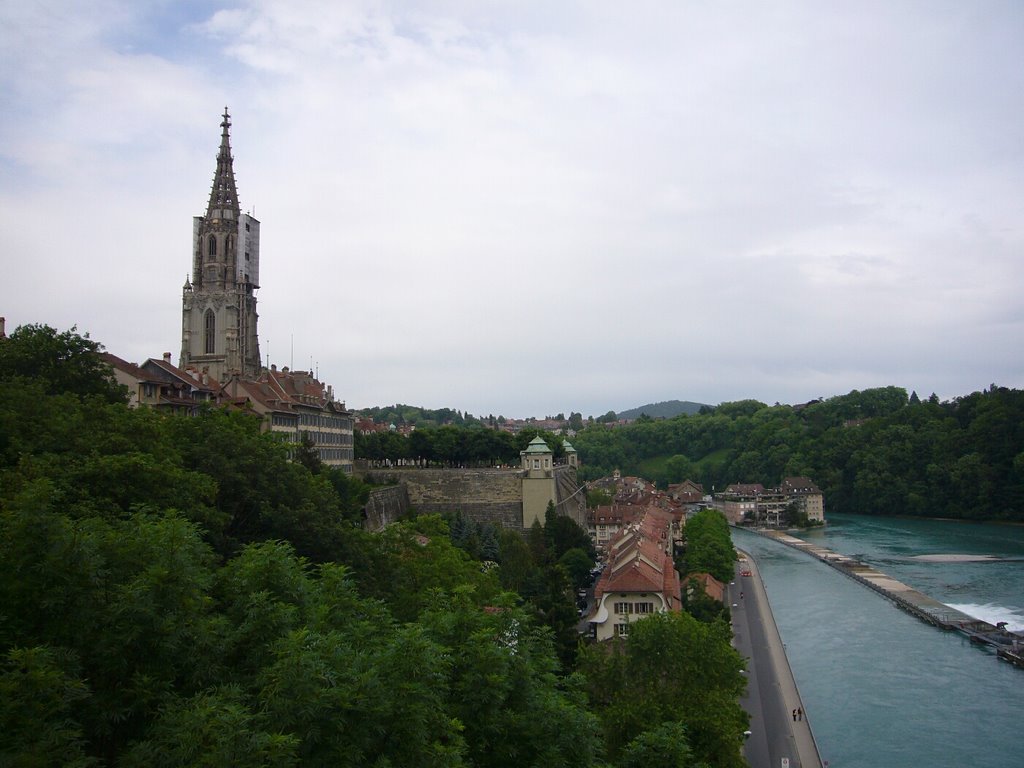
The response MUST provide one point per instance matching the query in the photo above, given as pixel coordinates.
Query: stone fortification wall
(570, 500)
(385, 505)
(483, 495)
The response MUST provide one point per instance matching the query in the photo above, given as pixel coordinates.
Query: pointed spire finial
(224, 196)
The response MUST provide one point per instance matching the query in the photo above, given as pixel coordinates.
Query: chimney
(3, 333)
(167, 357)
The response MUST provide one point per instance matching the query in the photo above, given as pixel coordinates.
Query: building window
(644, 607)
(209, 332)
(621, 630)
(211, 248)
(623, 608)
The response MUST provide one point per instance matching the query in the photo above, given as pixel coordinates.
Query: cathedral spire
(224, 196)
(218, 305)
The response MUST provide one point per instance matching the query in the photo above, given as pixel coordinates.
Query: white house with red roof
(640, 577)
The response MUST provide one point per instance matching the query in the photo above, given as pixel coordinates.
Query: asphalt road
(775, 740)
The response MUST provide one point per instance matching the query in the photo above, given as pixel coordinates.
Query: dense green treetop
(870, 452)
(673, 670)
(178, 592)
(708, 546)
(62, 363)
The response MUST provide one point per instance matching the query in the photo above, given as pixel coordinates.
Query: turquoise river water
(882, 688)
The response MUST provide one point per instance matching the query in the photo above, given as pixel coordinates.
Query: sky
(524, 208)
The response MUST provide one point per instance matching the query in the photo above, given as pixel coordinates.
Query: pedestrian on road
(794, 715)
(800, 713)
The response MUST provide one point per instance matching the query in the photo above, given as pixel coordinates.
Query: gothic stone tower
(218, 304)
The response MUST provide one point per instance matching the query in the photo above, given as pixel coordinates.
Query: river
(880, 687)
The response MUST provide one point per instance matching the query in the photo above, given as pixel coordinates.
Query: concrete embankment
(1008, 645)
(772, 698)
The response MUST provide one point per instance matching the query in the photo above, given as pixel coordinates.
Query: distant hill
(665, 410)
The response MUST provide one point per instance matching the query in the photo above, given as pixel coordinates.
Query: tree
(666, 746)
(515, 560)
(211, 729)
(671, 669)
(709, 545)
(575, 421)
(504, 690)
(63, 363)
(577, 563)
(40, 690)
(562, 533)
(598, 497)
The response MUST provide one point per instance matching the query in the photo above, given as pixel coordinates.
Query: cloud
(526, 208)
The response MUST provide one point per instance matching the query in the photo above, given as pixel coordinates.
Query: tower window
(209, 332)
(212, 249)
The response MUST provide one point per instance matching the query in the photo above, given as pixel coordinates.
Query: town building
(159, 385)
(604, 522)
(299, 408)
(809, 499)
(753, 504)
(689, 494)
(639, 578)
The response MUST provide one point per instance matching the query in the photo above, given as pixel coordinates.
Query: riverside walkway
(777, 738)
(1008, 645)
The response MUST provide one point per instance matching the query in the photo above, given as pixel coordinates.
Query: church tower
(218, 303)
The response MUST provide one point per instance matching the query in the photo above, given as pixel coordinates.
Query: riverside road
(776, 740)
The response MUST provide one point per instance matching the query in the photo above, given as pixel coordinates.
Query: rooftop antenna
(291, 358)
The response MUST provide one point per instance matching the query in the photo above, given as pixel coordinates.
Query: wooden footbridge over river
(1009, 646)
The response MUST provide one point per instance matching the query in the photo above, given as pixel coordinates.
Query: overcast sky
(522, 208)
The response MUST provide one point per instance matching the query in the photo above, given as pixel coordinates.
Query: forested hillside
(871, 452)
(178, 591)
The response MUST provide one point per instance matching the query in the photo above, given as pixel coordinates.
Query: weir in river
(1008, 645)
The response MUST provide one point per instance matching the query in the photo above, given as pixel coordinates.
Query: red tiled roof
(123, 365)
(640, 558)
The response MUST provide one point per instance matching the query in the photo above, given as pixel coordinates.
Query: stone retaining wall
(385, 506)
(482, 495)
